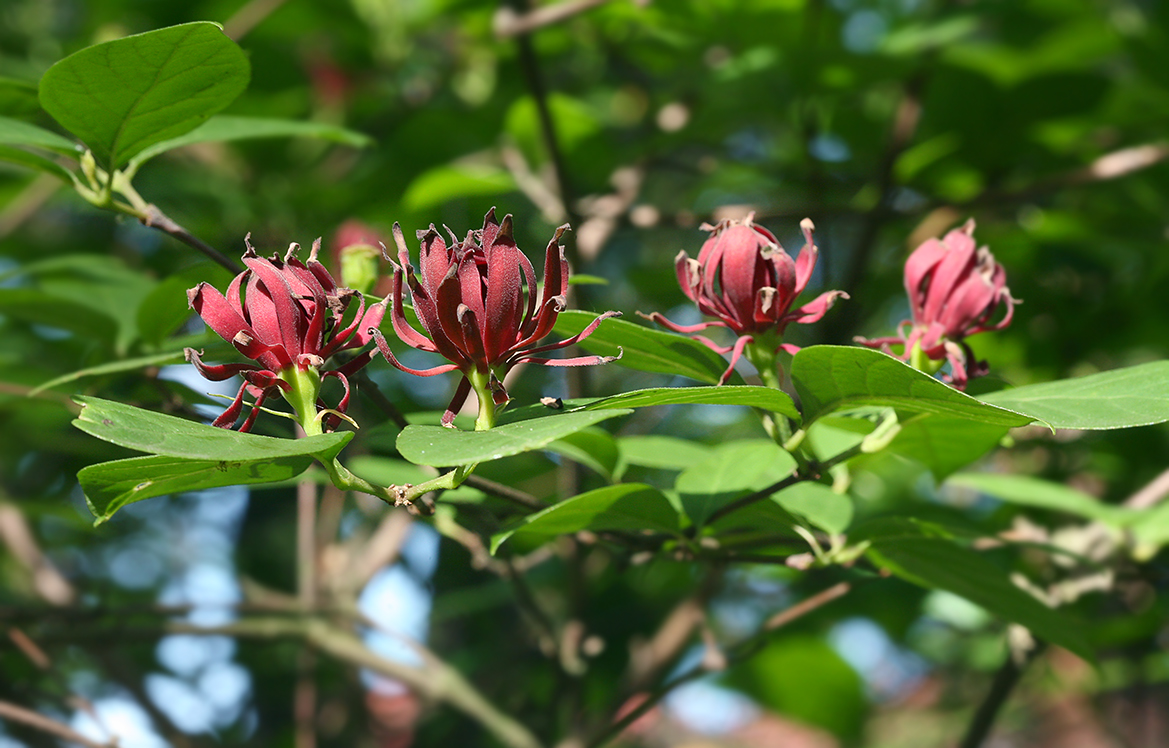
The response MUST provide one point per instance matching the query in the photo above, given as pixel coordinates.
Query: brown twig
(1001, 687)
(507, 493)
(156, 219)
(753, 498)
(248, 17)
(743, 651)
(38, 721)
(508, 23)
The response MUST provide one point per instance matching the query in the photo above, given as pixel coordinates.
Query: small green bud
(359, 267)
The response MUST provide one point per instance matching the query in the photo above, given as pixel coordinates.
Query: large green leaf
(803, 677)
(938, 563)
(818, 504)
(123, 96)
(665, 452)
(830, 378)
(109, 486)
(593, 447)
(435, 445)
(1043, 494)
(224, 128)
(734, 470)
(1118, 399)
(945, 443)
(16, 133)
(644, 348)
(160, 434)
(628, 506)
(766, 398)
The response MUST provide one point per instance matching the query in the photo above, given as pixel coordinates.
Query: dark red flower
(955, 288)
(470, 300)
(746, 279)
(286, 316)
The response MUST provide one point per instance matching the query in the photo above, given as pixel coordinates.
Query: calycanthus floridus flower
(289, 317)
(470, 299)
(955, 288)
(746, 279)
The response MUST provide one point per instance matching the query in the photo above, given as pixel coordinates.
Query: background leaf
(18, 133)
(1042, 494)
(629, 506)
(757, 397)
(818, 504)
(1123, 398)
(435, 445)
(645, 349)
(125, 95)
(734, 470)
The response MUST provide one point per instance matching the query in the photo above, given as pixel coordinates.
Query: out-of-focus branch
(435, 680)
(27, 202)
(1004, 683)
(38, 721)
(156, 219)
(250, 15)
(508, 23)
(743, 651)
(1151, 493)
(47, 581)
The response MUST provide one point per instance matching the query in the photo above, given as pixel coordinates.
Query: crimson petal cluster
(955, 289)
(746, 279)
(469, 297)
(285, 315)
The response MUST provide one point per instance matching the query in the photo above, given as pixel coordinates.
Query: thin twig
(156, 219)
(754, 497)
(745, 650)
(248, 17)
(508, 23)
(500, 491)
(369, 388)
(1004, 683)
(38, 721)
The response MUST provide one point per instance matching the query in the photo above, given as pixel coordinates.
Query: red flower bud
(746, 279)
(470, 299)
(955, 289)
(282, 313)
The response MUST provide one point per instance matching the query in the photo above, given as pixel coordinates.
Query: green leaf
(159, 434)
(766, 398)
(818, 504)
(1043, 494)
(18, 97)
(830, 378)
(664, 452)
(937, 563)
(123, 96)
(945, 443)
(435, 445)
(109, 486)
(164, 310)
(1118, 399)
(445, 183)
(223, 128)
(36, 161)
(804, 678)
(629, 506)
(16, 133)
(645, 349)
(734, 470)
(111, 367)
(593, 447)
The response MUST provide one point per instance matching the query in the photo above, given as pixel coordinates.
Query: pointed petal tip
(249, 250)
(807, 225)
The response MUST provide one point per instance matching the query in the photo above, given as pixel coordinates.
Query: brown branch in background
(304, 699)
(47, 581)
(156, 219)
(1004, 683)
(435, 680)
(369, 388)
(38, 721)
(248, 17)
(742, 652)
(753, 498)
(1151, 493)
(530, 66)
(508, 22)
(27, 202)
(507, 493)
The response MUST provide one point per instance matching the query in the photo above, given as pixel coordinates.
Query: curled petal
(736, 353)
(357, 363)
(592, 327)
(246, 426)
(815, 309)
(456, 403)
(384, 348)
(219, 314)
(229, 416)
(806, 262)
(215, 373)
(575, 361)
(660, 319)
